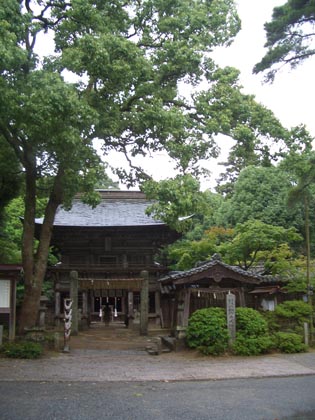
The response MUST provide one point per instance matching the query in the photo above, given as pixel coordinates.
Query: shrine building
(112, 247)
(112, 250)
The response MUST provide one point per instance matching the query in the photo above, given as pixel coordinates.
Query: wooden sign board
(5, 287)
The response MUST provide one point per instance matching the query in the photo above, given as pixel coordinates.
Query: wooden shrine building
(207, 285)
(112, 248)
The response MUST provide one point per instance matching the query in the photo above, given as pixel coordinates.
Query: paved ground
(119, 355)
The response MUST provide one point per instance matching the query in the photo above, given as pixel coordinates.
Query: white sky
(290, 97)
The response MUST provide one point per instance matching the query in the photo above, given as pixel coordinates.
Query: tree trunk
(308, 263)
(35, 268)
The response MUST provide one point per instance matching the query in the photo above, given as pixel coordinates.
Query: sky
(290, 96)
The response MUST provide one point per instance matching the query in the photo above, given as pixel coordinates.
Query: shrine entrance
(111, 300)
(113, 338)
(116, 301)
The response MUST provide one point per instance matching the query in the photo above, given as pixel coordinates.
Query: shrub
(22, 350)
(250, 323)
(252, 336)
(207, 331)
(252, 346)
(294, 310)
(289, 343)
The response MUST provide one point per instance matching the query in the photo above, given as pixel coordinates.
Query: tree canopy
(290, 37)
(253, 239)
(261, 193)
(113, 73)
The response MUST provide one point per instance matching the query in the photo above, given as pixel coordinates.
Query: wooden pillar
(57, 306)
(12, 319)
(186, 307)
(144, 303)
(179, 308)
(123, 303)
(130, 303)
(74, 285)
(129, 309)
(242, 297)
(84, 304)
(158, 308)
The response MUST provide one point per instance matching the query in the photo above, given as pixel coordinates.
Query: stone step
(161, 345)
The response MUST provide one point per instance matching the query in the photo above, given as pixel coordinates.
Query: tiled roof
(117, 208)
(206, 266)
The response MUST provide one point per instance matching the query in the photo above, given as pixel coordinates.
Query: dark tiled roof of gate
(117, 208)
(206, 266)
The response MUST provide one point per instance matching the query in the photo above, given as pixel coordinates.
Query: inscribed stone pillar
(230, 315)
(74, 285)
(144, 303)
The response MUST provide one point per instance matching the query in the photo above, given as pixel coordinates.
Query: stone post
(144, 303)
(230, 315)
(74, 286)
(306, 333)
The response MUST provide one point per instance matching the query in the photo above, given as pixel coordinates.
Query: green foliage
(296, 276)
(22, 350)
(252, 346)
(184, 254)
(289, 342)
(290, 38)
(254, 237)
(250, 322)
(207, 331)
(294, 310)
(289, 317)
(176, 199)
(11, 235)
(128, 60)
(252, 336)
(10, 175)
(261, 193)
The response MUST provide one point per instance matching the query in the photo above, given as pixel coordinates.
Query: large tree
(261, 193)
(290, 36)
(256, 242)
(113, 73)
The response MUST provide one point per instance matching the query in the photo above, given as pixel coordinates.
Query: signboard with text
(5, 287)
